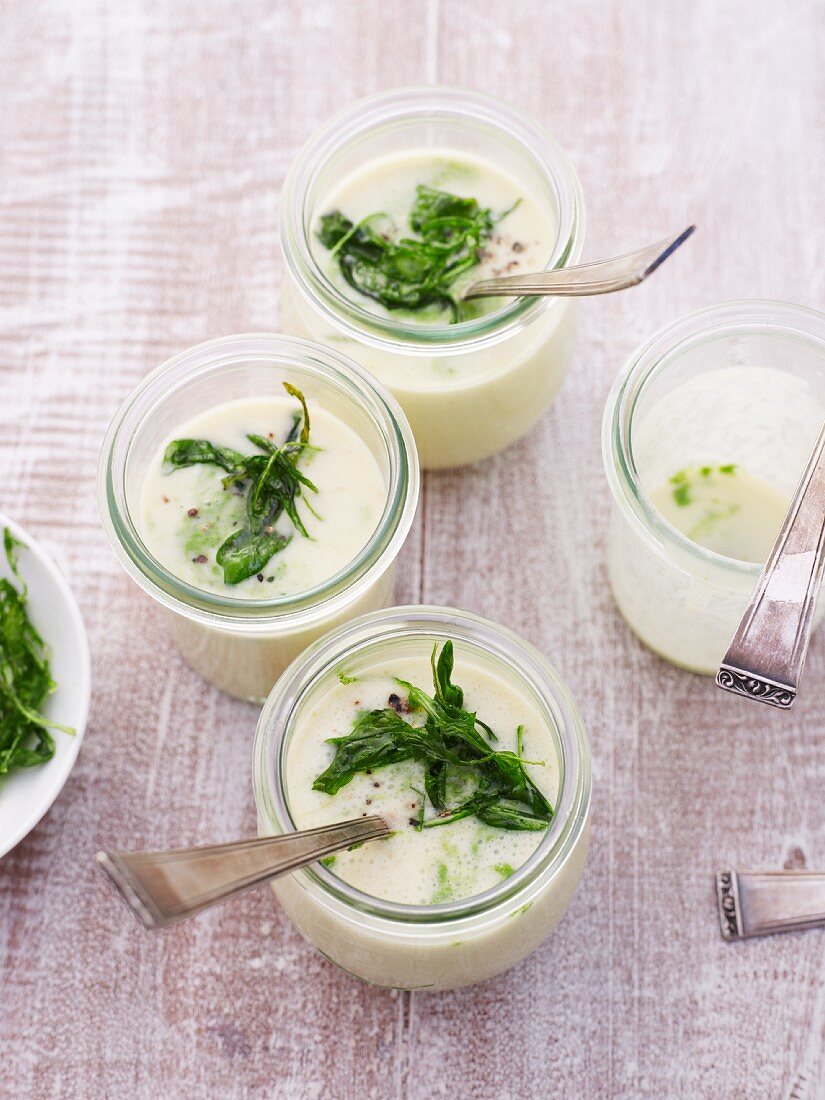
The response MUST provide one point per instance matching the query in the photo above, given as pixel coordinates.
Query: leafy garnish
(412, 272)
(452, 744)
(189, 452)
(272, 483)
(25, 677)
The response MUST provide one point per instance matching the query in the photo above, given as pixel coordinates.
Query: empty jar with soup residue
(706, 433)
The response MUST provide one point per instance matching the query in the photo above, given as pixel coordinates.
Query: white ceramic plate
(26, 793)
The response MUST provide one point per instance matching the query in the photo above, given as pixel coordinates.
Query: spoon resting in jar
(602, 277)
(162, 888)
(767, 655)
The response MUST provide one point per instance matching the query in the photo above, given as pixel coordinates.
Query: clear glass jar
(741, 383)
(468, 389)
(453, 943)
(243, 645)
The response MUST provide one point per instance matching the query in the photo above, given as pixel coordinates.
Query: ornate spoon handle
(755, 903)
(164, 887)
(765, 659)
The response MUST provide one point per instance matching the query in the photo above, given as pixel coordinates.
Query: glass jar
(453, 943)
(740, 383)
(243, 645)
(469, 389)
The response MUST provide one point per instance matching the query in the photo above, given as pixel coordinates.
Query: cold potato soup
(259, 487)
(477, 762)
(390, 214)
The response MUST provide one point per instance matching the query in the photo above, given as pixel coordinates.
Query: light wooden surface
(143, 145)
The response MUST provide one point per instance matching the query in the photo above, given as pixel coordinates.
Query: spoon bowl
(162, 888)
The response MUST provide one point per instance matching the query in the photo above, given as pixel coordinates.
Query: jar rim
(288, 612)
(324, 657)
(649, 361)
(400, 106)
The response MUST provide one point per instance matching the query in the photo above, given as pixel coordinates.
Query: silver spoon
(766, 657)
(162, 888)
(602, 277)
(756, 903)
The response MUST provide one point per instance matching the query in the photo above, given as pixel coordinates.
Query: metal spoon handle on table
(757, 903)
(583, 280)
(766, 657)
(162, 888)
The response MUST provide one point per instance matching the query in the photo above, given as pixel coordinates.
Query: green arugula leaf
(435, 783)
(504, 815)
(244, 555)
(191, 452)
(334, 227)
(293, 391)
(448, 694)
(378, 738)
(25, 677)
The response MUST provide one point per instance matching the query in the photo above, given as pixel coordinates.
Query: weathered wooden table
(143, 145)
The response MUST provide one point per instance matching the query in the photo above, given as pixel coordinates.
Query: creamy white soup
(189, 512)
(440, 220)
(429, 858)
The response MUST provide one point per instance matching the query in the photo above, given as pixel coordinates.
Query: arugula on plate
(25, 676)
